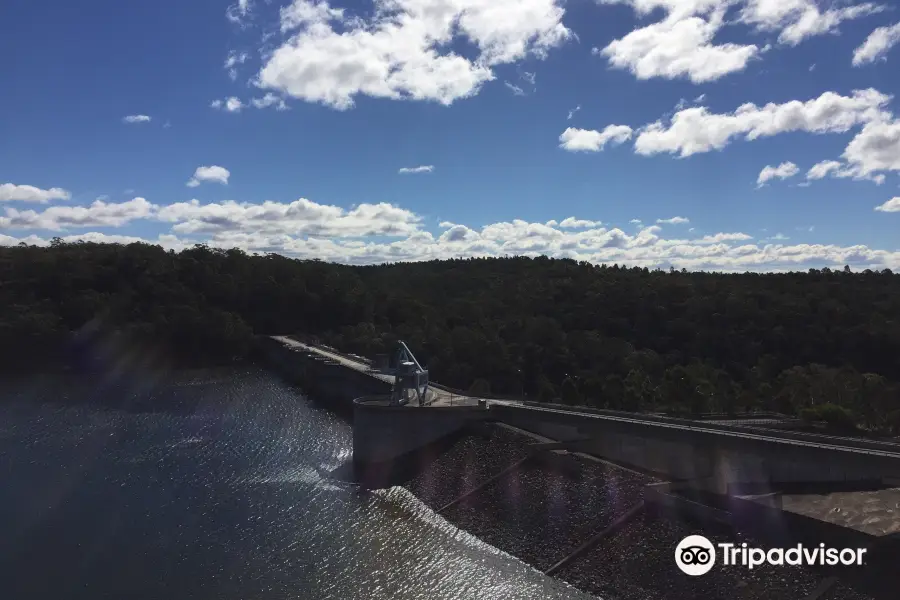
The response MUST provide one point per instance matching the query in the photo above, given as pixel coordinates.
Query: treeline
(823, 343)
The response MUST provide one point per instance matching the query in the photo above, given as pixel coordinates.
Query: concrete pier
(390, 441)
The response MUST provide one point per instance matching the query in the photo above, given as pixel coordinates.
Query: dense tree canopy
(607, 336)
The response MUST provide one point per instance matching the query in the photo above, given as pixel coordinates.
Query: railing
(812, 438)
(310, 342)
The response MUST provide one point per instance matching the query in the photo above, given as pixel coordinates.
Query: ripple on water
(229, 499)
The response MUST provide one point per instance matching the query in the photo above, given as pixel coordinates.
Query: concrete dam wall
(327, 382)
(711, 459)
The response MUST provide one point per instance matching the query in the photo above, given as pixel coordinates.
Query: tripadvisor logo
(696, 555)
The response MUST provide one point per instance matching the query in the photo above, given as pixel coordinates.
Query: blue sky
(767, 127)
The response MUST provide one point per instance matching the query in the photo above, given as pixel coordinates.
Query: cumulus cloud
(98, 214)
(723, 237)
(413, 170)
(131, 119)
(782, 171)
(796, 20)
(573, 223)
(572, 112)
(674, 221)
(10, 192)
(403, 50)
(839, 170)
(695, 130)
(875, 148)
(681, 44)
(232, 104)
(588, 140)
(679, 47)
(301, 217)
(213, 174)
(892, 205)
(877, 45)
(304, 229)
(169, 242)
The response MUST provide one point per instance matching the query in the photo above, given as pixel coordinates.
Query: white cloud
(892, 205)
(823, 169)
(131, 119)
(722, 237)
(587, 140)
(635, 221)
(674, 221)
(573, 223)
(301, 217)
(10, 192)
(413, 170)
(782, 171)
(529, 76)
(268, 100)
(516, 90)
(304, 229)
(403, 50)
(239, 12)
(572, 112)
(839, 170)
(302, 13)
(679, 46)
(877, 45)
(98, 214)
(682, 42)
(169, 242)
(797, 20)
(232, 104)
(234, 59)
(214, 174)
(695, 130)
(875, 148)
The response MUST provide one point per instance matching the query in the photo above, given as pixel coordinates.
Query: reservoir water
(223, 491)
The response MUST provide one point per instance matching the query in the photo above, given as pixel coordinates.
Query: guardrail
(819, 438)
(460, 392)
(355, 358)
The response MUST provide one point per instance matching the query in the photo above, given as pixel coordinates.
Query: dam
(716, 457)
(717, 476)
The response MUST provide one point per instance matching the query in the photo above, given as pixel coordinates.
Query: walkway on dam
(434, 397)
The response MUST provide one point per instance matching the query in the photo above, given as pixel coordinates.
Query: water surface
(225, 494)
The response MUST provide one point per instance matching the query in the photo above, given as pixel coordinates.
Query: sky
(726, 135)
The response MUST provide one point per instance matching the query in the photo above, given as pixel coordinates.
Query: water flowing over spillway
(225, 490)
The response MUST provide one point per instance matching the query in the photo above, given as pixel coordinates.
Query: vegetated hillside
(616, 337)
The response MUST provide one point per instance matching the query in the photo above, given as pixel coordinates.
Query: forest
(823, 344)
